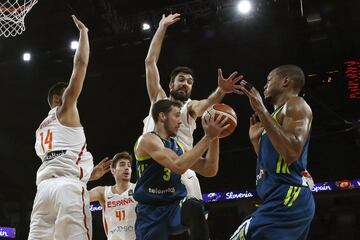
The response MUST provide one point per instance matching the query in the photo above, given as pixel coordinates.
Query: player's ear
(171, 85)
(162, 116)
(56, 99)
(285, 82)
(112, 171)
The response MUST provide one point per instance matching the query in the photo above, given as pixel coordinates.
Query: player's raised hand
(79, 24)
(228, 85)
(256, 128)
(169, 19)
(213, 127)
(101, 169)
(254, 96)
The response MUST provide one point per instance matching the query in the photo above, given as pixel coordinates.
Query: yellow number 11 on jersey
(47, 140)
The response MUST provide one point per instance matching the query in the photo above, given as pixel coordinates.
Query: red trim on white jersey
(80, 154)
(84, 214)
(78, 160)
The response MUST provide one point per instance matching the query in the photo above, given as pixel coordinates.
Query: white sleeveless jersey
(119, 214)
(185, 137)
(185, 132)
(62, 151)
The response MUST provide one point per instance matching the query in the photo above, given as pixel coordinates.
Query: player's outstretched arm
(225, 85)
(81, 59)
(153, 85)
(97, 194)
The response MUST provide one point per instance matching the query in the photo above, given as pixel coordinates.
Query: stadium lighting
(145, 26)
(74, 45)
(26, 57)
(244, 6)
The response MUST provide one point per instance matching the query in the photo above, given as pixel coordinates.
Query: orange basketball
(225, 111)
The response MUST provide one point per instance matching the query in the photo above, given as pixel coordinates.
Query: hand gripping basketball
(225, 111)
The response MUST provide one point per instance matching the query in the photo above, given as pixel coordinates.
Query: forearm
(200, 107)
(82, 52)
(93, 176)
(209, 166)
(283, 143)
(155, 45)
(216, 96)
(189, 158)
(256, 145)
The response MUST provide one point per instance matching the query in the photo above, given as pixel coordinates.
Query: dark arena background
(321, 36)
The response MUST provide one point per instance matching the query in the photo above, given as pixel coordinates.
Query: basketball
(225, 111)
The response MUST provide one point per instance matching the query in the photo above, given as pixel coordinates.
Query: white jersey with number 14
(62, 151)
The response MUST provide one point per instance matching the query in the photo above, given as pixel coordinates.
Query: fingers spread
(233, 75)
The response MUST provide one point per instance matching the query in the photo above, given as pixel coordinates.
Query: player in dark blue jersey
(160, 161)
(281, 142)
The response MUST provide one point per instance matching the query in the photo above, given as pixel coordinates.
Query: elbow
(292, 156)
(211, 173)
(178, 169)
(81, 62)
(150, 61)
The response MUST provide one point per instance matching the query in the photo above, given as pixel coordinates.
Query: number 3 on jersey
(167, 174)
(47, 140)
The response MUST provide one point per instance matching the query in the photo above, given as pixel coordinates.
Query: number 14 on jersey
(46, 141)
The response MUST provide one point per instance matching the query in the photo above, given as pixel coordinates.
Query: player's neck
(161, 132)
(176, 100)
(281, 99)
(121, 186)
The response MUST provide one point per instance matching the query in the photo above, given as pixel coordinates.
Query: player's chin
(174, 133)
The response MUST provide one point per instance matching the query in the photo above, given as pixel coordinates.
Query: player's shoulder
(99, 189)
(147, 138)
(297, 104)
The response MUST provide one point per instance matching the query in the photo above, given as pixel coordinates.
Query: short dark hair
(180, 69)
(119, 156)
(163, 105)
(56, 89)
(293, 72)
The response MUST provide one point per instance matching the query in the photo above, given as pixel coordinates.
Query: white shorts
(61, 211)
(192, 185)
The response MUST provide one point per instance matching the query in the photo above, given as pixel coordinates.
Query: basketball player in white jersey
(180, 85)
(61, 206)
(117, 201)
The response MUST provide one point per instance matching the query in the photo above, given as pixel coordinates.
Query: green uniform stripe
(296, 195)
(278, 165)
(288, 195)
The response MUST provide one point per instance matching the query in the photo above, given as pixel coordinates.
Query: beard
(168, 130)
(183, 97)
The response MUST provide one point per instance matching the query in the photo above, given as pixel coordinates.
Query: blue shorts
(286, 214)
(158, 222)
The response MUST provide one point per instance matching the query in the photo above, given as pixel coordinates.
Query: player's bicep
(296, 123)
